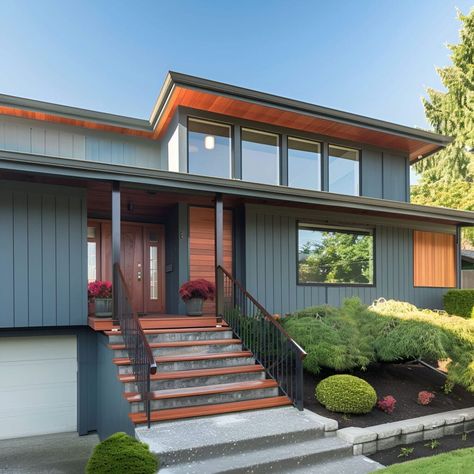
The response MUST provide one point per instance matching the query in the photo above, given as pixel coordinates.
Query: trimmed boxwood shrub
(459, 302)
(122, 454)
(346, 394)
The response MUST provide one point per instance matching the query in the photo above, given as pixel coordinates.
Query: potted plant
(100, 292)
(194, 293)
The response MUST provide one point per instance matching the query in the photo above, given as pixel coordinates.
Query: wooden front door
(142, 259)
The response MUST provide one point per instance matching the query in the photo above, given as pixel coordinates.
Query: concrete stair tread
(181, 374)
(269, 459)
(207, 342)
(189, 357)
(204, 390)
(206, 410)
(224, 327)
(345, 465)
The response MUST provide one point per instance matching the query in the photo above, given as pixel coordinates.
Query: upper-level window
(335, 256)
(343, 170)
(304, 164)
(209, 148)
(260, 157)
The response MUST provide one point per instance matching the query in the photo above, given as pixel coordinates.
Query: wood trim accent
(202, 246)
(434, 259)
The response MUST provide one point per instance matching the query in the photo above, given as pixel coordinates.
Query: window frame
(337, 228)
(231, 138)
(359, 161)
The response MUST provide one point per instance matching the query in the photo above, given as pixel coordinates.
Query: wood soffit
(175, 95)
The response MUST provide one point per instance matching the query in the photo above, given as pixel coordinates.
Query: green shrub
(354, 335)
(459, 302)
(346, 394)
(122, 454)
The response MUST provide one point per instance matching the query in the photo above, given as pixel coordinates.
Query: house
(284, 204)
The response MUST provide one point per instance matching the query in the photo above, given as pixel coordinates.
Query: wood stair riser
(195, 364)
(199, 381)
(207, 399)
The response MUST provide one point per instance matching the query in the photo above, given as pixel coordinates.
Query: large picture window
(304, 164)
(343, 170)
(260, 157)
(335, 256)
(209, 148)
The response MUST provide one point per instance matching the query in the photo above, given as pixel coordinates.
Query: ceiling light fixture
(209, 142)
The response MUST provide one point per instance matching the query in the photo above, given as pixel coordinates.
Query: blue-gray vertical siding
(43, 255)
(271, 266)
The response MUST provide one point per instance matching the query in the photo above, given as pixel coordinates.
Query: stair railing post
(115, 247)
(219, 255)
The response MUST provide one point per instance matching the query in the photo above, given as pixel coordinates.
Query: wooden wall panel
(434, 259)
(201, 245)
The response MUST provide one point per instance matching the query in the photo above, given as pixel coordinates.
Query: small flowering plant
(387, 404)
(99, 289)
(197, 289)
(425, 397)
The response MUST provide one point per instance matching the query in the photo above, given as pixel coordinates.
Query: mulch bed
(448, 443)
(402, 381)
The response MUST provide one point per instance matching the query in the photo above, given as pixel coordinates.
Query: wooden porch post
(219, 253)
(115, 242)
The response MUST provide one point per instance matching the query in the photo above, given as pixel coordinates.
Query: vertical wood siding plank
(49, 259)
(75, 262)
(7, 259)
(63, 269)
(20, 255)
(35, 261)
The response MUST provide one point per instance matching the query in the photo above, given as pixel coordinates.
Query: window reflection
(343, 170)
(209, 148)
(260, 157)
(304, 164)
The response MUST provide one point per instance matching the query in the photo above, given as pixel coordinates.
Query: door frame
(103, 240)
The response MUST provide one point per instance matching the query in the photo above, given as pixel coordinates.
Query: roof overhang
(251, 192)
(193, 92)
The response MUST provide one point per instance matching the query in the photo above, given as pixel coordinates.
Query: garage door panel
(38, 392)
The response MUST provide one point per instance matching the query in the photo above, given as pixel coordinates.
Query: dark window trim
(359, 161)
(232, 148)
(337, 228)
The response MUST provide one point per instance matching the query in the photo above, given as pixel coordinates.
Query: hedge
(355, 335)
(459, 302)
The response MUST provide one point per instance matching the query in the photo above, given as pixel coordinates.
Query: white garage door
(38, 385)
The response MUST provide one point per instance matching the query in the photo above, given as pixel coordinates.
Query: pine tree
(452, 112)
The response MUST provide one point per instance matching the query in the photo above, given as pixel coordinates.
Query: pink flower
(99, 289)
(425, 397)
(387, 404)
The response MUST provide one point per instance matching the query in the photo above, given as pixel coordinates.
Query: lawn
(460, 461)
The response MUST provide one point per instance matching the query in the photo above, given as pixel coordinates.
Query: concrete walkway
(62, 453)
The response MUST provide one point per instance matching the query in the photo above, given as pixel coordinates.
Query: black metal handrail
(264, 336)
(139, 351)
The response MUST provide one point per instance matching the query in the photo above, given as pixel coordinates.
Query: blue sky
(372, 57)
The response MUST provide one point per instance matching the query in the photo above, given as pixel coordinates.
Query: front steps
(202, 371)
(278, 440)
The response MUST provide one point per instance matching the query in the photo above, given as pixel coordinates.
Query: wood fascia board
(96, 170)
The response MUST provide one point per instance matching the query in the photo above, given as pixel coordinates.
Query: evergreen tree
(452, 112)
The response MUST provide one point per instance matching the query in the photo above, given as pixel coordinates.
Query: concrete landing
(279, 440)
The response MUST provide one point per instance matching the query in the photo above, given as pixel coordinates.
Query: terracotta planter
(194, 306)
(103, 307)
